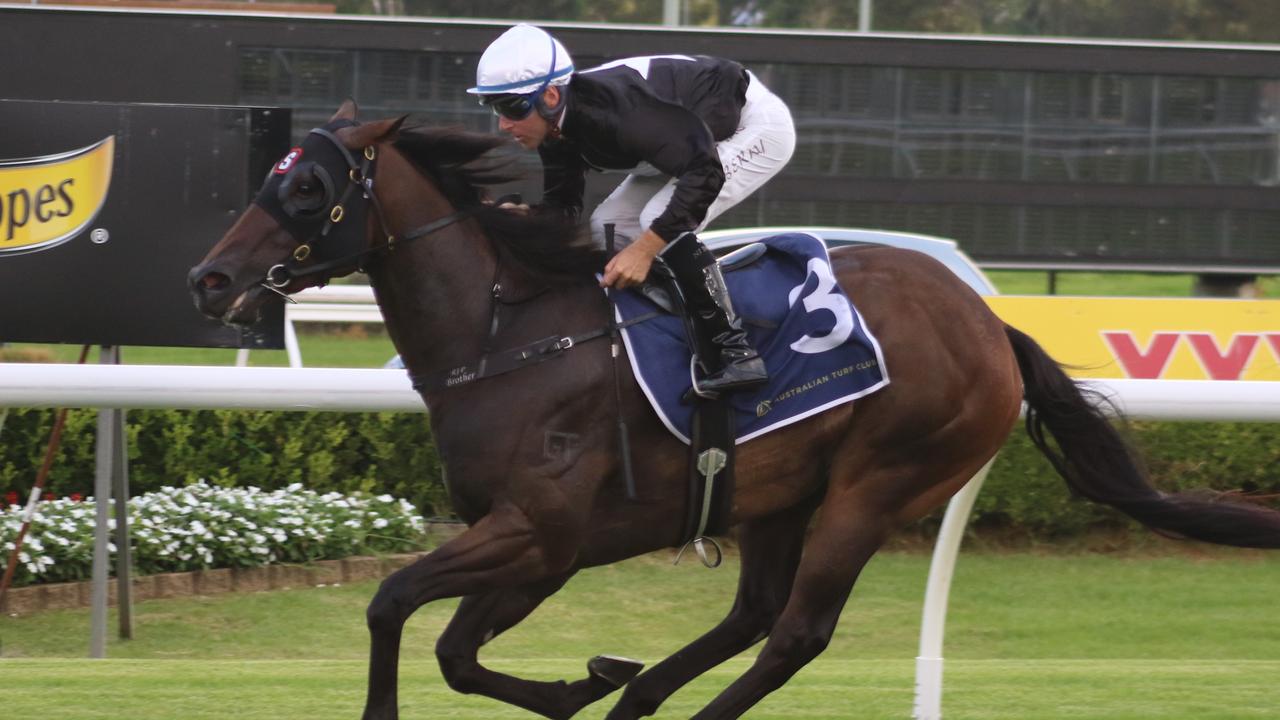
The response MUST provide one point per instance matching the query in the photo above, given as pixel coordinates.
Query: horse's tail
(1098, 464)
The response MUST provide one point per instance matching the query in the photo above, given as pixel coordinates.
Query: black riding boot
(728, 361)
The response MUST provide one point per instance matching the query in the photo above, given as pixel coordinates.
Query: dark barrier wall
(1029, 152)
(104, 207)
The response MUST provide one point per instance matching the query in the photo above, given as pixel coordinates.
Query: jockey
(694, 135)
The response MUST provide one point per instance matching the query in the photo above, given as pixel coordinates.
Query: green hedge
(371, 452)
(393, 453)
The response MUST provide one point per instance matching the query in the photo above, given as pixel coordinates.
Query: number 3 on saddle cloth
(815, 345)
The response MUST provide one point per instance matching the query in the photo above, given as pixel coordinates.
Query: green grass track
(1030, 636)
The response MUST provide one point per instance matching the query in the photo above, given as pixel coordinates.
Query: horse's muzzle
(218, 296)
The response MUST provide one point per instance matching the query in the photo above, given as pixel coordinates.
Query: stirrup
(698, 389)
(749, 377)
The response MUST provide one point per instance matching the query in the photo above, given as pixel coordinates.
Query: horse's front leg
(480, 618)
(504, 549)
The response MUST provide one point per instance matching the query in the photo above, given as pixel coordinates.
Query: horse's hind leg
(480, 618)
(848, 533)
(770, 551)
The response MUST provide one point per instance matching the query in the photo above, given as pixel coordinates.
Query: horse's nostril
(214, 281)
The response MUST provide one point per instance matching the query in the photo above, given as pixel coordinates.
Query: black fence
(1030, 153)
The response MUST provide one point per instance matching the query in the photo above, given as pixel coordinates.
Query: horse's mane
(463, 166)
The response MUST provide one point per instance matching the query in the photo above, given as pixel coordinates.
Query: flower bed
(201, 526)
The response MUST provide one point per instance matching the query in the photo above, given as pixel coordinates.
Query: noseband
(343, 229)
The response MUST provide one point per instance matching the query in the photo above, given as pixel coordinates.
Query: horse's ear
(346, 112)
(370, 133)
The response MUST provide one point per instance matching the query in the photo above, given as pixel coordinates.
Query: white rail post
(928, 700)
(291, 344)
(102, 510)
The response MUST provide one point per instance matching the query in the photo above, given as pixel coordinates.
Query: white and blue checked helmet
(522, 60)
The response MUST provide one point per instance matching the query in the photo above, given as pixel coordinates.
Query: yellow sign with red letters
(1152, 338)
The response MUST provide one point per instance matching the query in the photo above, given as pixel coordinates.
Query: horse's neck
(436, 292)
(435, 298)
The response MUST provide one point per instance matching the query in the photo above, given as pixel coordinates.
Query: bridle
(341, 239)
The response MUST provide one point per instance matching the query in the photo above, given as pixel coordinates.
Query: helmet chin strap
(546, 112)
(552, 114)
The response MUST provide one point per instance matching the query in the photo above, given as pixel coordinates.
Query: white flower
(206, 525)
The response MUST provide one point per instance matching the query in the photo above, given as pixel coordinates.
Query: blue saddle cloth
(816, 347)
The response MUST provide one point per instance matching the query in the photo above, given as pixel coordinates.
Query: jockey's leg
(765, 141)
(762, 146)
(720, 342)
(623, 208)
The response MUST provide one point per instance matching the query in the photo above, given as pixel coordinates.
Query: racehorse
(531, 458)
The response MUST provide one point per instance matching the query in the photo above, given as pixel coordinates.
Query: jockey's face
(533, 129)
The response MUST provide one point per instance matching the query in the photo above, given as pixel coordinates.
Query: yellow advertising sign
(1152, 338)
(48, 200)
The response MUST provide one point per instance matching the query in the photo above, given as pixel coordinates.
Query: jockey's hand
(631, 266)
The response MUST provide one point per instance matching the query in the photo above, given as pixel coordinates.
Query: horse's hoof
(617, 671)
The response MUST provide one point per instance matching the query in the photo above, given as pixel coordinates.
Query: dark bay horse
(531, 456)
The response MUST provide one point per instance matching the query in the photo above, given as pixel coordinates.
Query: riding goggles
(512, 107)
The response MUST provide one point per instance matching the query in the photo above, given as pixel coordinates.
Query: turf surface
(1030, 635)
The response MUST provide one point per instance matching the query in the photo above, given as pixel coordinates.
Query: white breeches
(760, 148)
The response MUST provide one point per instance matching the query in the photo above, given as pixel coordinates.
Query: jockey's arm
(631, 266)
(685, 151)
